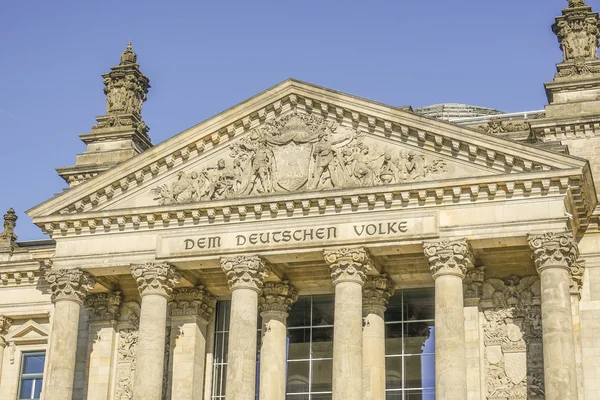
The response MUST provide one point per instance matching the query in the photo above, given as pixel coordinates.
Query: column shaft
(450, 349)
(273, 362)
(374, 354)
(347, 342)
(69, 288)
(241, 359)
(560, 373)
(63, 347)
(102, 343)
(210, 358)
(155, 283)
(554, 254)
(245, 276)
(188, 357)
(448, 262)
(150, 351)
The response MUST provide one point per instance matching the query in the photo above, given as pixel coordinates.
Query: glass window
(409, 345)
(32, 370)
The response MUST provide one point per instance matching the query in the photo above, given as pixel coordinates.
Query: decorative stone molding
(277, 296)
(497, 125)
(195, 301)
(578, 32)
(513, 338)
(103, 306)
(449, 257)
(8, 239)
(348, 264)
(245, 272)
(155, 278)
(552, 250)
(577, 272)
(69, 284)
(5, 324)
(314, 144)
(19, 277)
(377, 291)
(473, 284)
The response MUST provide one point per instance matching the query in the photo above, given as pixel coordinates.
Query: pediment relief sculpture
(299, 152)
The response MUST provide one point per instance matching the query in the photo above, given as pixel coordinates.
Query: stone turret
(8, 239)
(119, 134)
(575, 89)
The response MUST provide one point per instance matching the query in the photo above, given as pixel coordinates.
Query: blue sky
(203, 57)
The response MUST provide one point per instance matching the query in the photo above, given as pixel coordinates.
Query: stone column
(5, 324)
(69, 288)
(473, 292)
(103, 309)
(448, 262)
(245, 275)
(155, 283)
(210, 357)
(554, 253)
(274, 304)
(189, 309)
(348, 267)
(577, 272)
(376, 294)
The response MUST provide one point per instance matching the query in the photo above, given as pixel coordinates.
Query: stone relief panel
(513, 338)
(127, 344)
(300, 152)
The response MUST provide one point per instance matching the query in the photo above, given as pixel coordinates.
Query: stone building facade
(308, 244)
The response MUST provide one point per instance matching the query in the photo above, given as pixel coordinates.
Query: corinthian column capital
(69, 284)
(448, 257)
(195, 301)
(348, 264)
(553, 250)
(245, 272)
(155, 278)
(277, 296)
(103, 306)
(377, 291)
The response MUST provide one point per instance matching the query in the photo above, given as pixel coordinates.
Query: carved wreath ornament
(298, 152)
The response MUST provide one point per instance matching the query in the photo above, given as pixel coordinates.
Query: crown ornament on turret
(8, 239)
(578, 32)
(126, 89)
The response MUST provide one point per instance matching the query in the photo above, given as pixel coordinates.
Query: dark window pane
(300, 313)
(297, 397)
(322, 374)
(393, 339)
(419, 338)
(393, 372)
(322, 313)
(33, 363)
(26, 388)
(322, 342)
(221, 343)
(299, 344)
(297, 376)
(393, 312)
(420, 371)
(393, 396)
(419, 304)
(38, 388)
(420, 395)
(321, 397)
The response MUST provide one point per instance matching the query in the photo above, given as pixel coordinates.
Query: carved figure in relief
(297, 152)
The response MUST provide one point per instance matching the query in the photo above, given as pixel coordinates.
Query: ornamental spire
(578, 32)
(120, 133)
(8, 239)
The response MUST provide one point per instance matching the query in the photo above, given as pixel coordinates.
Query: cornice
(570, 184)
(378, 119)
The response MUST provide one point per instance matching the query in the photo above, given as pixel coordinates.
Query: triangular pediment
(29, 332)
(297, 138)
